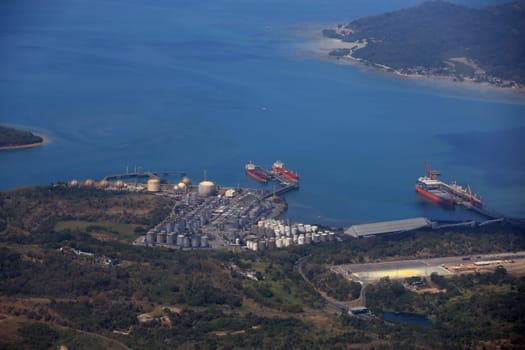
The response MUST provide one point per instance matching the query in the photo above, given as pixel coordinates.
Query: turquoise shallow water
(182, 85)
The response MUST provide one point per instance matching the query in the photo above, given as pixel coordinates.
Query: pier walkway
(144, 174)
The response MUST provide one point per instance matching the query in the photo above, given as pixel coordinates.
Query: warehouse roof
(387, 227)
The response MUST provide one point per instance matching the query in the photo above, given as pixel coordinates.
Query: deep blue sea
(188, 85)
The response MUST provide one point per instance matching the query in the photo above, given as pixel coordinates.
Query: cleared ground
(513, 262)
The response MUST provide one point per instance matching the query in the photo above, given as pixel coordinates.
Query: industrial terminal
(206, 215)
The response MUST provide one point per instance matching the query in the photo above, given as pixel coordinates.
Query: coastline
(322, 46)
(45, 141)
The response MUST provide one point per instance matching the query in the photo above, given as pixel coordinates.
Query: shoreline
(322, 46)
(45, 141)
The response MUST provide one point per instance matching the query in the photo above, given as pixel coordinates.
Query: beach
(323, 46)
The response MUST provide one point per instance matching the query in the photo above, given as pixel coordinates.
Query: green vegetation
(39, 209)
(339, 52)
(102, 229)
(13, 137)
(474, 308)
(281, 288)
(335, 285)
(427, 36)
(506, 237)
(163, 299)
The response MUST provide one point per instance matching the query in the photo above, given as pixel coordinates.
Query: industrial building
(385, 227)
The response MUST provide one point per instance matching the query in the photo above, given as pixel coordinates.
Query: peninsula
(441, 39)
(11, 138)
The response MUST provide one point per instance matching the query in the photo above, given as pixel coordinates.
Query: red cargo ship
(279, 168)
(256, 172)
(431, 188)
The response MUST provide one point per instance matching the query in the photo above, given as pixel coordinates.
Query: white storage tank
(324, 237)
(331, 236)
(180, 240)
(207, 189)
(307, 239)
(204, 241)
(279, 242)
(153, 185)
(170, 238)
(300, 240)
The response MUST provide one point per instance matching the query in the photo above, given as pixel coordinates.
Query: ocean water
(180, 85)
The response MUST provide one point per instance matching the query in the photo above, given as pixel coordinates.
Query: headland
(463, 52)
(11, 139)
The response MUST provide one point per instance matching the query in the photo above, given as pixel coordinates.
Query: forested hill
(490, 39)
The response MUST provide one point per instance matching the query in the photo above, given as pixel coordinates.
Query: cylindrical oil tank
(314, 228)
(206, 189)
(204, 241)
(300, 240)
(151, 237)
(187, 242)
(331, 236)
(316, 237)
(271, 243)
(307, 239)
(102, 184)
(180, 240)
(324, 237)
(170, 238)
(279, 242)
(261, 245)
(287, 242)
(153, 185)
(195, 241)
(161, 238)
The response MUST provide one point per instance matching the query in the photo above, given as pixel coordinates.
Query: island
(441, 39)
(11, 138)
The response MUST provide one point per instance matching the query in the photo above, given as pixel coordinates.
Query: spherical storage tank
(153, 185)
(206, 189)
(119, 184)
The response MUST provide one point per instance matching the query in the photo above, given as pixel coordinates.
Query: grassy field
(104, 231)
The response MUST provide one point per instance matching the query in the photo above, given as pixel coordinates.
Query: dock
(286, 185)
(143, 174)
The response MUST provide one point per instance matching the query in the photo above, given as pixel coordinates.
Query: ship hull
(434, 197)
(288, 174)
(257, 176)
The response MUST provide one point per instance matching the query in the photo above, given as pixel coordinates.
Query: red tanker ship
(256, 172)
(279, 168)
(430, 188)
